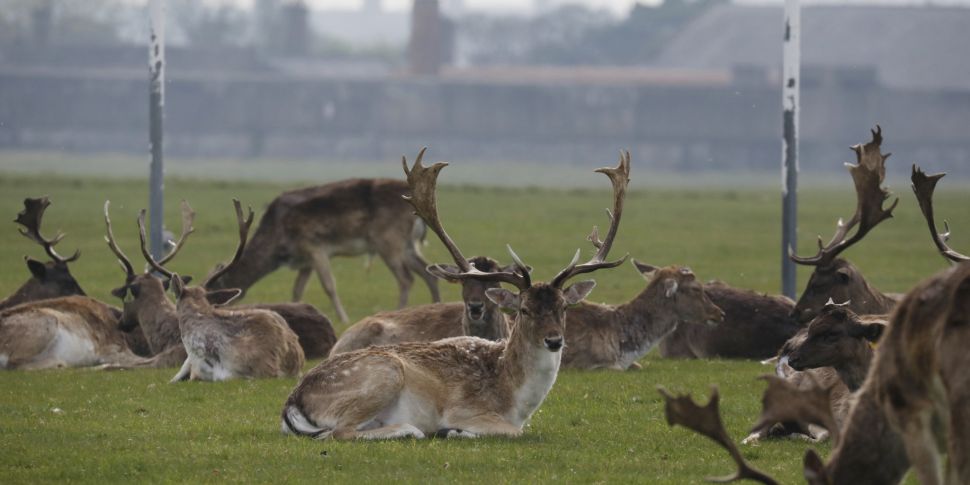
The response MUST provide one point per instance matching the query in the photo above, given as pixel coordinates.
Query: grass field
(78, 425)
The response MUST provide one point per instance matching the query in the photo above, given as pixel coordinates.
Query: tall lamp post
(791, 62)
(156, 104)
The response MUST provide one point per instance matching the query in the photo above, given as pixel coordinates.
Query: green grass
(594, 426)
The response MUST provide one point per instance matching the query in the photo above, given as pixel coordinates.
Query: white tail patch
(296, 423)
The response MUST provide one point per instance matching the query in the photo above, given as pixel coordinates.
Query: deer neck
(853, 372)
(529, 371)
(492, 327)
(258, 260)
(23, 294)
(875, 302)
(160, 323)
(870, 451)
(643, 322)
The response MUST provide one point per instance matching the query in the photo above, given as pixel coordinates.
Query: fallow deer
(835, 277)
(923, 187)
(304, 228)
(462, 386)
(49, 280)
(229, 343)
(146, 306)
(755, 326)
(475, 315)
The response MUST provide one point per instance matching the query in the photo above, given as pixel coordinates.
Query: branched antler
(113, 245)
(783, 401)
(868, 175)
(423, 183)
(188, 216)
(706, 420)
(923, 187)
(244, 225)
(620, 178)
(30, 218)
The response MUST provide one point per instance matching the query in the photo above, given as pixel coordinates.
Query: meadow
(87, 426)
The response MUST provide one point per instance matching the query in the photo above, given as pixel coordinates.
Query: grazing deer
(475, 315)
(755, 326)
(228, 343)
(914, 401)
(304, 228)
(462, 386)
(70, 331)
(833, 277)
(48, 280)
(146, 306)
(923, 187)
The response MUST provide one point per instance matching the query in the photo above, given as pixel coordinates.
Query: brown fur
(52, 279)
(304, 228)
(73, 331)
(755, 326)
(615, 337)
(842, 282)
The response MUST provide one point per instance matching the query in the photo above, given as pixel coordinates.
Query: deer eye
(524, 312)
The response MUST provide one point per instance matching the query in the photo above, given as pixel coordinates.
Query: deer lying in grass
(755, 326)
(463, 386)
(48, 280)
(146, 306)
(475, 315)
(304, 228)
(833, 277)
(229, 343)
(914, 403)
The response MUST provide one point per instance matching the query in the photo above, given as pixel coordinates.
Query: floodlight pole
(156, 104)
(791, 63)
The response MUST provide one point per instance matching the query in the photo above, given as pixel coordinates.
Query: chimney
(424, 48)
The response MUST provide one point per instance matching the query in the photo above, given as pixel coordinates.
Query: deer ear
(646, 270)
(578, 291)
(120, 292)
(670, 287)
(814, 469)
(37, 268)
(223, 297)
(507, 301)
(844, 275)
(869, 331)
(178, 286)
(446, 272)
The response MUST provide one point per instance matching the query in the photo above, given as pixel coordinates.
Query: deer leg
(321, 263)
(394, 431)
(402, 274)
(299, 286)
(481, 425)
(417, 264)
(183, 373)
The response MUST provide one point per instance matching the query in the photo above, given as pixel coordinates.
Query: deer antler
(30, 218)
(188, 216)
(706, 420)
(244, 225)
(423, 183)
(923, 187)
(783, 401)
(110, 239)
(620, 178)
(868, 175)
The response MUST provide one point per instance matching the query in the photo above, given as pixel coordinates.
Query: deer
(912, 405)
(304, 228)
(48, 280)
(755, 326)
(923, 187)
(456, 387)
(834, 277)
(146, 305)
(227, 343)
(475, 315)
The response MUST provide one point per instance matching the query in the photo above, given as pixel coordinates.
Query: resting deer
(304, 228)
(914, 401)
(146, 306)
(475, 315)
(462, 386)
(48, 280)
(835, 277)
(229, 343)
(755, 326)
(923, 187)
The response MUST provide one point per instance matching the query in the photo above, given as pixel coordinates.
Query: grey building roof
(909, 47)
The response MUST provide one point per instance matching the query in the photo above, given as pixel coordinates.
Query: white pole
(791, 64)
(156, 115)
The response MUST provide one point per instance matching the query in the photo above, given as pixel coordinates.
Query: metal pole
(791, 62)
(156, 104)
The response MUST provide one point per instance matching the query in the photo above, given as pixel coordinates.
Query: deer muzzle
(553, 343)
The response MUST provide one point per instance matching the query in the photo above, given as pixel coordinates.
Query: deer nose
(553, 343)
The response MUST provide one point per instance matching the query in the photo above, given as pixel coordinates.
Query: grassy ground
(80, 425)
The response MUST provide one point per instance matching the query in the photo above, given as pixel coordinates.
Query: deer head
(539, 308)
(480, 311)
(833, 338)
(51, 279)
(834, 277)
(923, 187)
(683, 294)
